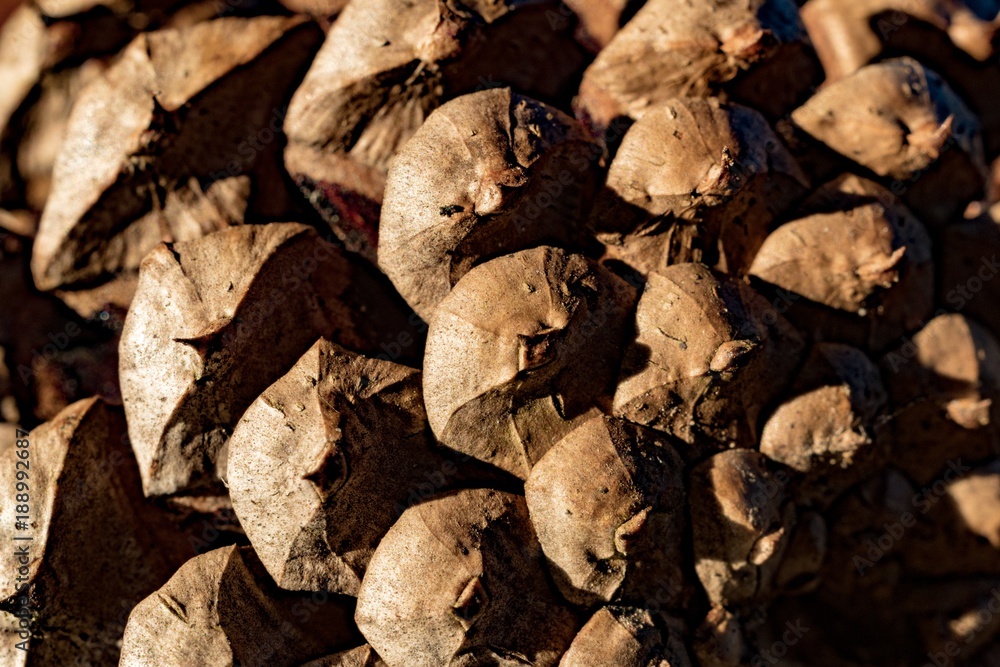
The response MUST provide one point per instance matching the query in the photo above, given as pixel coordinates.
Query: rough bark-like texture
(608, 504)
(856, 269)
(50, 36)
(385, 65)
(461, 581)
(221, 609)
(827, 431)
(181, 113)
(523, 350)
(625, 637)
(487, 174)
(902, 121)
(899, 126)
(710, 354)
(205, 336)
(695, 180)
(741, 526)
(944, 387)
(320, 465)
(756, 50)
(95, 549)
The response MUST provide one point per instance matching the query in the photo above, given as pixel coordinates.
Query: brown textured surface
(221, 609)
(321, 464)
(711, 378)
(756, 49)
(626, 638)
(741, 526)
(523, 349)
(828, 430)
(608, 504)
(709, 355)
(914, 132)
(695, 180)
(88, 519)
(205, 336)
(458, 581)
(385, 66)
(856, 269)
(147, 141)
(943, 386)
(488, 174)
